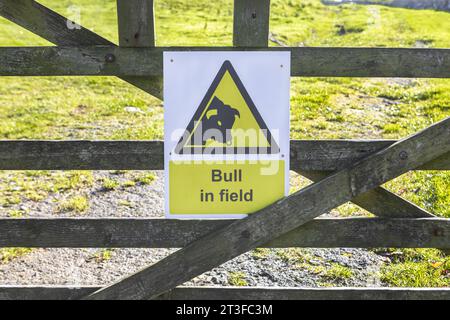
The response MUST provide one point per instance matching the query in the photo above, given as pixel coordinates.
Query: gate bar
(324, 156)
(237, 293)
(170, 233)
(305, 61)
(381, 202)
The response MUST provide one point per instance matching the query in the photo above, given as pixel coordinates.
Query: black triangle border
(227, 66)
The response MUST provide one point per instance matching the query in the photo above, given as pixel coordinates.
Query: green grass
(294, 255)
(338, 272)
(260, 253)
(237, 279)
(330, 273)
(76, 204)
(129, 184)
(15, 213)
(321, 108)
(145, 179)
(125, 203)
(418, 268)
(7, 254)
(103, 255)
(304, 259)
(391, 128)
(16, 187)
(430, 190)
(110, 184)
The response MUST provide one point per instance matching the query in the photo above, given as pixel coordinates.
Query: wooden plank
(163, 233)
(306, 61)
(306, 155)
(277, 293)
(237, 293)
(45, 292)
(81, 155)
(385, 204)
(440, 163)
(273, 221)
(53, 27)
(381, 202)
(137, 29)
(251, 23)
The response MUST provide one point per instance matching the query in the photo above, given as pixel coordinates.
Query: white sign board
(226, 122)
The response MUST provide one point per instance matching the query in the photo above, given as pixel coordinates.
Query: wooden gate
(344, 170)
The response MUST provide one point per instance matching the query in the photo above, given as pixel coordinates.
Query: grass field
(93, 108)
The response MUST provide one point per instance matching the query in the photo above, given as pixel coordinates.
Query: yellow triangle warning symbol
(227, 121)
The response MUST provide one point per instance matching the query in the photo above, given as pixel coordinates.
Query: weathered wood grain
(306, 155)
(251, 23)
(137, 29)
(136, 23)
(53, 27)
(163, 233)
(249, 293)
(380, 202)
(306, 61)
(237, 293)
(273, 221)
(81, 155)
(45, 292)
(440, 163)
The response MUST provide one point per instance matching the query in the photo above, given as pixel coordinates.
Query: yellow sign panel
(238, 187)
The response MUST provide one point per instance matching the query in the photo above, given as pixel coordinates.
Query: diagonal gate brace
(243, 235)
(381, 202)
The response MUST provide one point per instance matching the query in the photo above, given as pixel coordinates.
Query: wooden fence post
(137, 29)
(251, 23)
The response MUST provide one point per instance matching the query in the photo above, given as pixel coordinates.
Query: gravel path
(264, 267)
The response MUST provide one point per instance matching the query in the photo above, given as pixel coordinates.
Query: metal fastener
(403, 155)
(110, 58)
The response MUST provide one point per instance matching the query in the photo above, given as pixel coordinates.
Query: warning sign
(229, 114)
(226, 132)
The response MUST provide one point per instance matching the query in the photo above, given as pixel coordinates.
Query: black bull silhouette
(218, 121)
